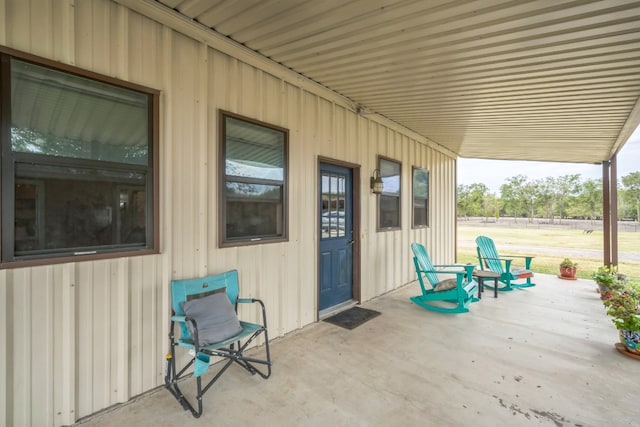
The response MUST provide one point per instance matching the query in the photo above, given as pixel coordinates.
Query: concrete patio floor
(540, 356)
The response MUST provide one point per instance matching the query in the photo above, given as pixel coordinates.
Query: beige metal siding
(79, 337)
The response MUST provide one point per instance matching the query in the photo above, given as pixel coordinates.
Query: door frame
(355, 264)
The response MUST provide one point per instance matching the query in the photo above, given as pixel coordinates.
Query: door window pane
(333, 205)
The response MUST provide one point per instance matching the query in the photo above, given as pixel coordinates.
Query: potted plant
(568, 269)
(605, 276)
(623, 306)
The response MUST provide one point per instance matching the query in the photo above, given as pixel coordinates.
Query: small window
(389, 199)
(420, 197)
(78, 170)
(253, 192)
(334, 204)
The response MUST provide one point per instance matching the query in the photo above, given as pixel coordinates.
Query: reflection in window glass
(60, 114)
(59, 209)
(78, 169)
(389, 200)
(333, 205)
(420, 197)
(254, 193)
(390, 172)
(253, 210)
(253, 151)
(389, 211)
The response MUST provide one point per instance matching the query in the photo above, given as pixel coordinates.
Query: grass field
(571, 243)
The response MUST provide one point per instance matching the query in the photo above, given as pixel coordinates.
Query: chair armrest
(464, 270)
(518, 256)
(185, 319)
(445, 271)
(510, 257)
(507, 261)
(451, 268)
(452, 265)
(259, 301)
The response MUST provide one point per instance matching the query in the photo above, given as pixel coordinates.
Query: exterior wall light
(376, 182)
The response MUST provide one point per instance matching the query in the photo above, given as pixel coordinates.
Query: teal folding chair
(511, 276)
(205, 314)
(446, 296)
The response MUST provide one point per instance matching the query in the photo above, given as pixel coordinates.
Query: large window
(253, 181)
(77, 163)
(420, 197)
(389, 200)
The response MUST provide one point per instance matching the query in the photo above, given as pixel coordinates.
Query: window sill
(75, 258)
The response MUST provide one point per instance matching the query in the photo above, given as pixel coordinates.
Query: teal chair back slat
(487, 253)
(423, 263)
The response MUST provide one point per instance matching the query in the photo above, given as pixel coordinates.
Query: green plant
(605, 275)
(567, 263)
(623, 306)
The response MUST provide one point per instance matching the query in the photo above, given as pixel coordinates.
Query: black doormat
(352, 317)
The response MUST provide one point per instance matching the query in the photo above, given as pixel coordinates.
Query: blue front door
(335, 218)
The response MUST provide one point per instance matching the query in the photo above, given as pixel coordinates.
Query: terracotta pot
(569, 272)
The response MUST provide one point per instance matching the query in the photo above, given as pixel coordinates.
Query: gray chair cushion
(215, 316)
(445, 285)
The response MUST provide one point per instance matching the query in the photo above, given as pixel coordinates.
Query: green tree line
(554, 198)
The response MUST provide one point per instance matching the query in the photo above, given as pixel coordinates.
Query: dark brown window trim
(76, 258)
(154, 123)
(222, 215)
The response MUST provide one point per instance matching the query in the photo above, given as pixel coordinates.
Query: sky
(495, 172)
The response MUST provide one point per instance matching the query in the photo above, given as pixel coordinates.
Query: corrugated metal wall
(79, 337)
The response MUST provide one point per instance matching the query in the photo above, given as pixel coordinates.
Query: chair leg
(171, 383)
(173, 376)
(248, 363)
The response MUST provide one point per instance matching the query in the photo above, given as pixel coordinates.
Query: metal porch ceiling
(519, 80)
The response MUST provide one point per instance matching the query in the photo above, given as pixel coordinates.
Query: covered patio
(543, 356)
(332, 91)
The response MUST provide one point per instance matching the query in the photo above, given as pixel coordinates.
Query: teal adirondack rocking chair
(458, 291)
(511, 276)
